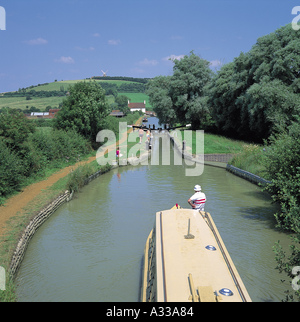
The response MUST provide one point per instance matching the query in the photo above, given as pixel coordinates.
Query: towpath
(16, 204)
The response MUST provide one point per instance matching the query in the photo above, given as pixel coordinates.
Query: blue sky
(74, 39)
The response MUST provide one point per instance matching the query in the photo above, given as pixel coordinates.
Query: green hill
(52, 94)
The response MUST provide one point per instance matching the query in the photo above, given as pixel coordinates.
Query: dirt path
(16, 204)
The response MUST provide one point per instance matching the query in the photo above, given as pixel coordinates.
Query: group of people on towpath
(148, 134)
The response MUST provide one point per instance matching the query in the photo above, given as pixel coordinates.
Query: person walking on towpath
(141, 134)
(198, 199)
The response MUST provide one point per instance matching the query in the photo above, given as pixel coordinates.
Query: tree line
(114, 89)
(255, 98)
(34, 93)
(247, 98)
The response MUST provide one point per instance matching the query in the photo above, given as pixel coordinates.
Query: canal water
(91, 249)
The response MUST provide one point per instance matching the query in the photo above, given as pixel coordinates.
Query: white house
(137, 107)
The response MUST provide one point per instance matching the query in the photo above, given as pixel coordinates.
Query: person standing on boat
(198, 199)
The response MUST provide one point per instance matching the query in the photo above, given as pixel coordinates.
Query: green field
(22, 103)
(43, 102)
(56, 86)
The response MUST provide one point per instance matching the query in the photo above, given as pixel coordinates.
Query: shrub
(282, 163)
(15, 129)
(11, 170)
(59, 146)
(78, 177)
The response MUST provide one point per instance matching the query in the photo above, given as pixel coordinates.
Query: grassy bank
(214, 144)
(220, 144)
(251, 159)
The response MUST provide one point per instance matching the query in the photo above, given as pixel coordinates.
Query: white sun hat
(197, 187)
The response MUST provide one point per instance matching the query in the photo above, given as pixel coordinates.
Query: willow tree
(181, 97)
(260, 89)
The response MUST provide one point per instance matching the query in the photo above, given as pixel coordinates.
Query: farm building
(137, 107)
(39, 114)
(45, 115)
(116, 113)
(53, 111)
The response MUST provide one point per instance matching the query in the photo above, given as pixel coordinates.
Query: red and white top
(199, 199)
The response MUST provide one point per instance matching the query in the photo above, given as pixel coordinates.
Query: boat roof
(186, 269)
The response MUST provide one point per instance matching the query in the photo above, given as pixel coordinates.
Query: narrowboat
(185, 260)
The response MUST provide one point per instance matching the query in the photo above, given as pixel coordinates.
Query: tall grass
(251, 159)
(77, 178)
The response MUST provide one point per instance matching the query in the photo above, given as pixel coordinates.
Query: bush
(282, 163)
(11, 171)
(15, 129)
(78, 177)
(59, 146)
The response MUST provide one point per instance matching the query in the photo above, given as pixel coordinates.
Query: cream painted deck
(177, 257)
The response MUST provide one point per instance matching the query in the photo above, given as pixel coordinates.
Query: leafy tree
(11, 170)
(181, 97)
(122, 103)
(84, 110)
(270, 103)
(15, 129)
(190, 76)
(282, 163)
(158, 90)
(249, 96)
(223, 93)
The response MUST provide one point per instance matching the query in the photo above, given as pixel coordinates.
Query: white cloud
(38, 41)
(114, 42)
(65, 60)
(96, 34)
(173, 57)
(147, 62)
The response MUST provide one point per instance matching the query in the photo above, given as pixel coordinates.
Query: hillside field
(54, 101)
